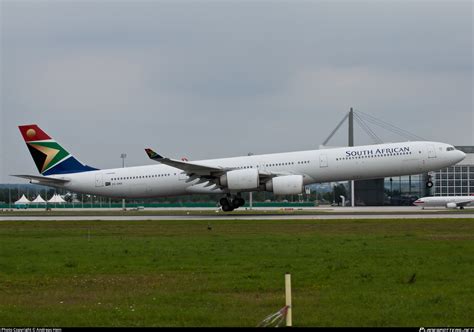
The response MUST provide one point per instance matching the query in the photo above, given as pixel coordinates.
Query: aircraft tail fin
(50, 157)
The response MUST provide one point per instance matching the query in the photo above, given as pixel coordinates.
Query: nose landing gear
(429, 183)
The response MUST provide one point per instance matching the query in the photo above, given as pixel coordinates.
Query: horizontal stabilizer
(43, 179)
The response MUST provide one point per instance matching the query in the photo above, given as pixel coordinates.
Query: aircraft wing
(43, 180)
(202, 171)
(464, 203)
(190, 168)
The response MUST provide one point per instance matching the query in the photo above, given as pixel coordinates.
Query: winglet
(152, 154)
(189, 168)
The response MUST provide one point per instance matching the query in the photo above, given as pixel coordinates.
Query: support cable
(389, 127)
(394, 130)
(367, 129)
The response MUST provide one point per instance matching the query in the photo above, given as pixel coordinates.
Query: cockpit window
(450, 148)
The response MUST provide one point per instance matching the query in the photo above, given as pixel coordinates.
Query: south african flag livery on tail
(50, 157)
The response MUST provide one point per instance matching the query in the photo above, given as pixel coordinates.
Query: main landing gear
(230, 203)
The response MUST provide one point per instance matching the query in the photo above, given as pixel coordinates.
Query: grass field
(179, 273)
(212, 212)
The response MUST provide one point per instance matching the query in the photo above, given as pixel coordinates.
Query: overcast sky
(209, 79)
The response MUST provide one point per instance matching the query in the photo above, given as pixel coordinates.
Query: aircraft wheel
(429, 184)
(227, 208)
(224, 201)
(238, 202)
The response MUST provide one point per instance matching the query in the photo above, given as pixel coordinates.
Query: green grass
(212, 212)
(179, 273)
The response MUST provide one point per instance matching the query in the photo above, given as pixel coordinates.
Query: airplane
(280, 173)
(451, 202)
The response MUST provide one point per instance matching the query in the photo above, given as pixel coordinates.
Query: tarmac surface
(260, 214)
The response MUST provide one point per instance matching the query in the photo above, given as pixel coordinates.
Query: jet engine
(451, 205)
(286, 185)
(242, 179)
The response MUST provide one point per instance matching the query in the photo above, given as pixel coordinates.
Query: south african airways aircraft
(280, 173)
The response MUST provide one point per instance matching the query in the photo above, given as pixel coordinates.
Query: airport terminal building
(457, 180)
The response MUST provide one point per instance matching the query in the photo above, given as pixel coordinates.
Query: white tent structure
(56, 199)
(38, 200)
(23, 201)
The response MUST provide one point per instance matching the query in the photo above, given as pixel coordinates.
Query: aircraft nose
(461, 155)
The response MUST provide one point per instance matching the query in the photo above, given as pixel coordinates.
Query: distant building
(458, 179)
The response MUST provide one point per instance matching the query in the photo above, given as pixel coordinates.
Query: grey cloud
(209, 79)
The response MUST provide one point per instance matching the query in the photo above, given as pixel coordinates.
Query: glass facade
(457, 180)
(404, 190)
(454, 181)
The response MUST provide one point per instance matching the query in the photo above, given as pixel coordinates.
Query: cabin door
(99, 180)
(323, 160)
(431, 151)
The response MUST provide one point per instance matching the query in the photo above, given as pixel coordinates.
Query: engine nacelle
(451, 205)
(242, 179)
(286, 185)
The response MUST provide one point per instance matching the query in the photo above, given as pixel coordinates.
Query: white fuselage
(316, 166)
(446, 201)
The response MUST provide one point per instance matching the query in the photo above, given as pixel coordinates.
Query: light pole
(391, 191)
(123, 156)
